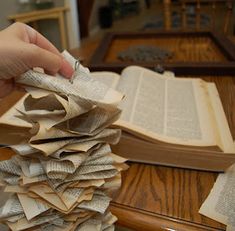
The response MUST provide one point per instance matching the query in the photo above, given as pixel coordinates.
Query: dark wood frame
(97, 62)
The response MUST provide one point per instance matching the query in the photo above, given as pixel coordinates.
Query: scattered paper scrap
(220, 204)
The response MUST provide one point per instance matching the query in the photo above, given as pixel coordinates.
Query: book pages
(220, 204)
(84, 88)
(109, 78)
(63, 171)
(224, 139)
(174, 110)
(188, 112)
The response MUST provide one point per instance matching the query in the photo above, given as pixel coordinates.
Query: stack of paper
(64, 169)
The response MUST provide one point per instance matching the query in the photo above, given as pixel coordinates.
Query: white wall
(72, 24)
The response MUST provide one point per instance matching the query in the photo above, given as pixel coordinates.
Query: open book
(182, 111)
(165, 120)
(180, 115)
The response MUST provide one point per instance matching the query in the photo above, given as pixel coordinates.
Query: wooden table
(156, 198)
(36, 15)
(165, 198)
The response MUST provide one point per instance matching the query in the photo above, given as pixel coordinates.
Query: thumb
(50, 62)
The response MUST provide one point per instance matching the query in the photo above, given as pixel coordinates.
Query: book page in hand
(165, 109)
(84, 86)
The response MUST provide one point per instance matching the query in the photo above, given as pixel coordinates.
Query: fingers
(36, 38)
(39, 40)
(66, 70)
(32, 49)
(47, 60)
(38, 57)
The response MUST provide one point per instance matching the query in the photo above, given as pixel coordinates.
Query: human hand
(23, 48)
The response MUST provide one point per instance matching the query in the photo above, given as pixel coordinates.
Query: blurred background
(67, 22)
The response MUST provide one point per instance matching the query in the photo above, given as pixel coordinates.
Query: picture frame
(196, 52)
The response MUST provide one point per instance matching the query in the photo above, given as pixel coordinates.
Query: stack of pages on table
(63, 170)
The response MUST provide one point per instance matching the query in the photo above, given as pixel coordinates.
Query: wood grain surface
(163, 192)
(184, 49)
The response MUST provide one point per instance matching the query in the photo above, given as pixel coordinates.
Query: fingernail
(66, 69)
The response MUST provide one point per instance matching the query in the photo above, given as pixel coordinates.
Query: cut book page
(63, 169)
(220, 203)
(84, 87)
